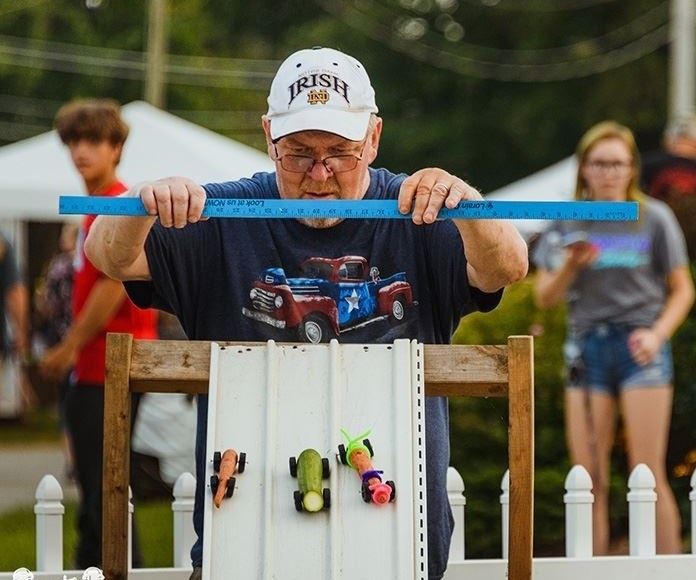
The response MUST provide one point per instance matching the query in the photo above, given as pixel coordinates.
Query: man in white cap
(323, 133)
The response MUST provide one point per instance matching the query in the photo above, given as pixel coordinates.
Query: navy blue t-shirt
(361, 281)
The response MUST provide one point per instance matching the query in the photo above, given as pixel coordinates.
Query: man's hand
(176, 201)
(426, 191)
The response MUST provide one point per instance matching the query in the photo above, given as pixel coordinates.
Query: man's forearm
(115, 244)
(495, 250)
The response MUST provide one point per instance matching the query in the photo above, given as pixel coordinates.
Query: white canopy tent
(555, 183)
(34, 172)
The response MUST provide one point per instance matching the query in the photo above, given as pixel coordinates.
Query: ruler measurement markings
(365, 209)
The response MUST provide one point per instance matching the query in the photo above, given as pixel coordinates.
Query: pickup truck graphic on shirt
(330, 296)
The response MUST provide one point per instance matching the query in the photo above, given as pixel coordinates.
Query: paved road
(21, 469)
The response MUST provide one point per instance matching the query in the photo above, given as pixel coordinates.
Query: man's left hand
(426, 191)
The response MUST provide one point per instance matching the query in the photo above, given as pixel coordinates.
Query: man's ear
(266, 123)
(373, 142)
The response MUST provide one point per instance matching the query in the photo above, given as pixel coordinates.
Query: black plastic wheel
(298, 500)
(241, 462)
(217, 459)
(342, 454)
(326, 493)
(293, 466)
(325, 469)
(214, 482)
(230, 487)
(391, 484)
(366, 443)
(366, 493)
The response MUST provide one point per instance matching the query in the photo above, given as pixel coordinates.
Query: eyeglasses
(305, 163)
(609, 166)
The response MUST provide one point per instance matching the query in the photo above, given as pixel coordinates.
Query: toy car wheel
(298, 500)
(366, 493)
(326, 493)
(230, 487)
(342, 454)
(325, 469)
(366, 443)
(315, 328)
(217, 459)
(241, 463)
(398, 308)
(214, 483)
(293, 466)
(393, 486)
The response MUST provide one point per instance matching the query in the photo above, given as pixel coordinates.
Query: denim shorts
(602, 361)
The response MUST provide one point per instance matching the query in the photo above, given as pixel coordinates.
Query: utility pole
(156, 53)
(682, 60)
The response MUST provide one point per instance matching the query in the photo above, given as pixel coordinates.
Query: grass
(18, 536)
(39, 425)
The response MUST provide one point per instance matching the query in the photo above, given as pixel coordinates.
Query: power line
(614, 39)
(29, 106)
(18, 5)
(537, 5)
(265, 65)
(518, 72)
(124, 64)
(10, 131)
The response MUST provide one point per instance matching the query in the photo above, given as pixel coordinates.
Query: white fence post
(505, 511)
(692, 499)
(131, 509)
(641, 511)
(578, 513)
(182, 506)
(457, 500)
(49, 512)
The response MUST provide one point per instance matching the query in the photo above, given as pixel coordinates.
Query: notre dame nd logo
(318, 97)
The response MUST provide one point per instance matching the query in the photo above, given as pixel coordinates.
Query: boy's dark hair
(95, 120)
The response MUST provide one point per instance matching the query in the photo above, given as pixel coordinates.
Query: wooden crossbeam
(168, 366)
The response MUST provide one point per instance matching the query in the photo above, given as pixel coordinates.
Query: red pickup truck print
(329, 297)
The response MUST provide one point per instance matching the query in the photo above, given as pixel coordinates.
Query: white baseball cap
(321, 89)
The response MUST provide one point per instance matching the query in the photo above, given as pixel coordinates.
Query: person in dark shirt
(222, 277)
(670, 175)
(14, 326)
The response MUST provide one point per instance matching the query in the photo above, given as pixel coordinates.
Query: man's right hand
(176, 201)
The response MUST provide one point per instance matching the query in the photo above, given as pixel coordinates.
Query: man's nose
(319, 172)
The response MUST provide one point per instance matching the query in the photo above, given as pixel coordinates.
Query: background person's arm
(646, 342)
(17, 304)
(103, 303)
(551, 286)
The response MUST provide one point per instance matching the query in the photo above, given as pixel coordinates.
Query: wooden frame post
(116, 467)
(168, 366)
(521, 455)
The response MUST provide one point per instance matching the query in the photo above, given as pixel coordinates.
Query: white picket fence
(578, 563)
